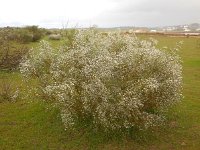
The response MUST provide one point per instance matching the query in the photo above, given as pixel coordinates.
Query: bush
(54, 36)
(24, 36)
(36, 32)
(10, 53)
(7, 92)
(69, 35)
(28, 34)
(113, 82)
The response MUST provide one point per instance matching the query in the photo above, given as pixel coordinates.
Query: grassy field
(27, 124)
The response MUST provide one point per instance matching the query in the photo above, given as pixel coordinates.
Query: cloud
(106, 13)
(152, 13)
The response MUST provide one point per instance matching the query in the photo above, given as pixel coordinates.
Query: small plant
(7, 92)
(198, 43)
(113, 82)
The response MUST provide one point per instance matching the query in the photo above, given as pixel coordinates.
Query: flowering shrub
(113, 81)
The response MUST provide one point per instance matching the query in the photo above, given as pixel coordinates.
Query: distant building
(187, 30)
(131, 31)
(153, 30)
(192, 34)
(169, 29)
(140, 31)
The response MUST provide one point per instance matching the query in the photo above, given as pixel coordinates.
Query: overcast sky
(104, 13)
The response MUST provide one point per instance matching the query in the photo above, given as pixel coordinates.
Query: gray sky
(104, 13)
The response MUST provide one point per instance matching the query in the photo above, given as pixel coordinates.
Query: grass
(28, 124)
